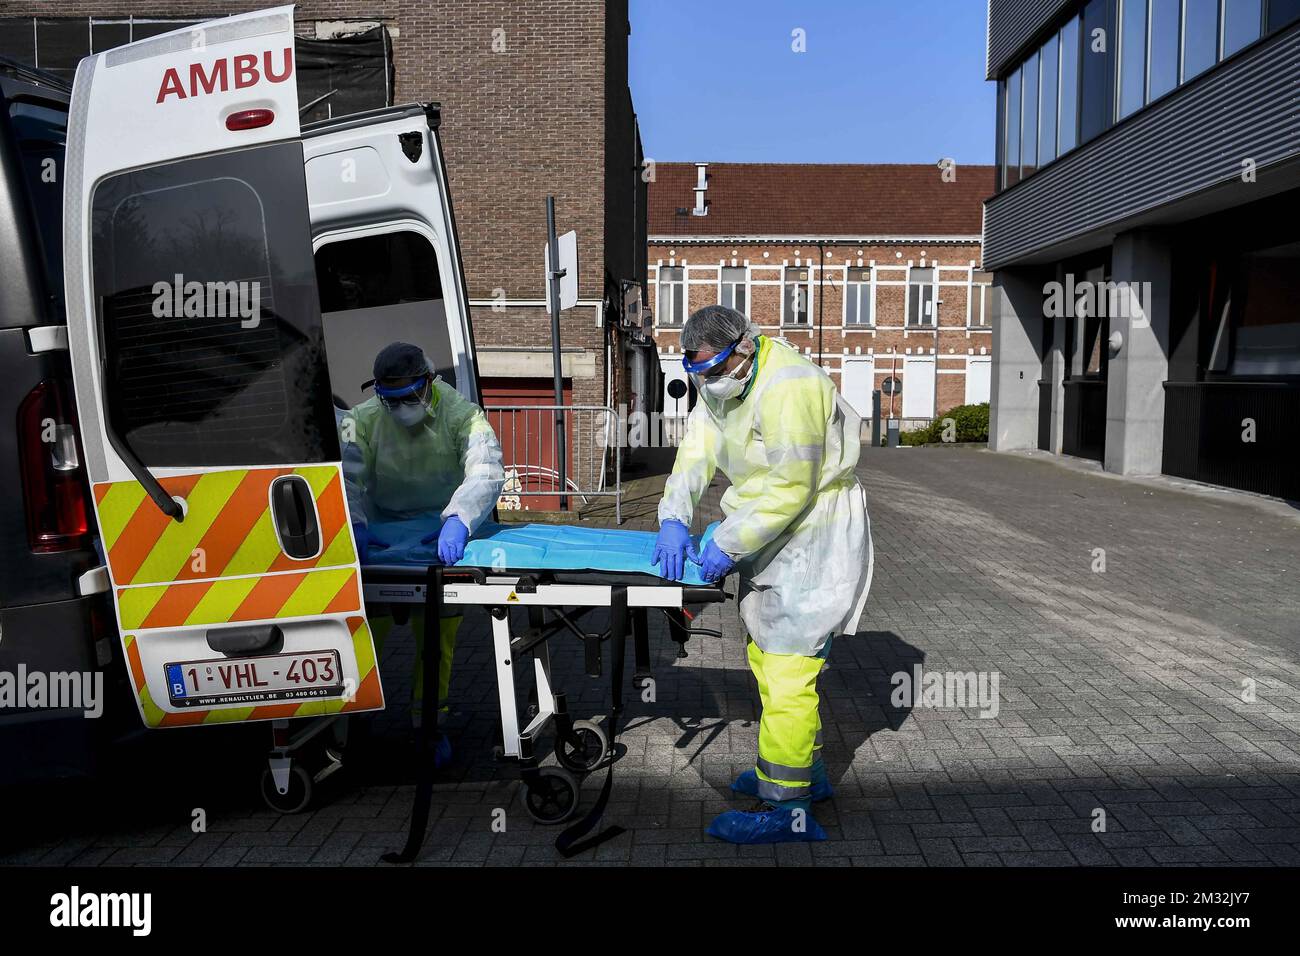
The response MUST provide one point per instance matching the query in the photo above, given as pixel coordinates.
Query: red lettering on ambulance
(217, 76)
(246, 70)
(288, 66)
(171, 84)
(215, 81)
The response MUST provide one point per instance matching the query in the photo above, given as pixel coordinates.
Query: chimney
(701, 187)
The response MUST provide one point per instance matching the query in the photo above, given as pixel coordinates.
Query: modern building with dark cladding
(1145, 236)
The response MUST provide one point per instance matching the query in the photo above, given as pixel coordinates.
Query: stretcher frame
(436, 586)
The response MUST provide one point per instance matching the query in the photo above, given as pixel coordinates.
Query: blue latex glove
(671, 548)
(451, 540)
(715, 564)
(365, 542)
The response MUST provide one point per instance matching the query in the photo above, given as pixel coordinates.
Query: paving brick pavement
(1124, 733)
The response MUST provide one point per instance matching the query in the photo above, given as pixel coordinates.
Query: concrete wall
(1017, 357)
(1135, 395)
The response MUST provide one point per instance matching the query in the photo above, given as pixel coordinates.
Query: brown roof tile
(797, 199)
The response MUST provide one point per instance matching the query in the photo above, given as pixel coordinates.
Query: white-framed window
(859, 297)
(671, 308)
(979, 300)
(796, 295)
(733, 288)
(922, 303)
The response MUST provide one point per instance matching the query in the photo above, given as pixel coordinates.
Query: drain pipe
(821, 302)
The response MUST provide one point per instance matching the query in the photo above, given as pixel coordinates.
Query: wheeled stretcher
(557, 575)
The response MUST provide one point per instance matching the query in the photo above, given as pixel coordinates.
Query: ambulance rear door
(387, 255)
(202, 387)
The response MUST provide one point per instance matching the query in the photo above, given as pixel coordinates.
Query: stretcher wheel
(551, 796)
(298, 797)
(589, 750)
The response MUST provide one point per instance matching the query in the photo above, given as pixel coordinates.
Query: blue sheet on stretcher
(540, 547)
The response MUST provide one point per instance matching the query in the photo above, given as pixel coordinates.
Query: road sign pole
(553, 301)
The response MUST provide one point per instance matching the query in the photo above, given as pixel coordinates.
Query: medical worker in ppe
(796, 529)
(418, 449)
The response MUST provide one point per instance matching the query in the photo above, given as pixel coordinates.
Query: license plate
(245, 680)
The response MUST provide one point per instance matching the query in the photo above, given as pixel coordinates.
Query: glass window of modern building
(1029, 117)
(1200, 36)
(1111, 59)
(1068, 122)
(1281, 13)
(1049, 81)
(1011, 141)
(1242, 22)
(1162, 48)
(1132, 56)
(1097, 111)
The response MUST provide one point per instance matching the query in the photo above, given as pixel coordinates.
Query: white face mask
(408, 415)
(728, 386)
(724, 388)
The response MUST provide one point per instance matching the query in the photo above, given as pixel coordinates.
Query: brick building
(873, 271)
(535, 102)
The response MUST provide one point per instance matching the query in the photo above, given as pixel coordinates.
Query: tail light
(54, 482)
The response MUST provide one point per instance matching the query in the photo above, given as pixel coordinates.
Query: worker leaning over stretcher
(419, 450)
(796, 528)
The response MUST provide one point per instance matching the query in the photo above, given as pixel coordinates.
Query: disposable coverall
(450, 464)
(796, 523)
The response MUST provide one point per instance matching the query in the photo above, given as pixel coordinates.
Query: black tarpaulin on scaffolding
(345, 75)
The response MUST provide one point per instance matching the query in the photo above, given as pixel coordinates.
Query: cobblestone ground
(1125, 731)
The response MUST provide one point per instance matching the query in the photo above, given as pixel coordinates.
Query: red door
(519, 409)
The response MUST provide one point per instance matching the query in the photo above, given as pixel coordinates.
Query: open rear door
(387, 256)
(195, 331)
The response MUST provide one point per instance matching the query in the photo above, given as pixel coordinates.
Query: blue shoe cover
(767, 825)
(441, 752)
(747, 784)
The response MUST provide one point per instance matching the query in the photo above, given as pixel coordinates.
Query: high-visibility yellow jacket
(450, 465)
(796, 516)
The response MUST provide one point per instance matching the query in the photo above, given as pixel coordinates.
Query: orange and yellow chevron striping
(228, 528)
(272, 596)
(368, 694)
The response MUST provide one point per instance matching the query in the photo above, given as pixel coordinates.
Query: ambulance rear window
(210, 323)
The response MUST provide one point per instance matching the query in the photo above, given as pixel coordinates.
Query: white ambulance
(229, 276)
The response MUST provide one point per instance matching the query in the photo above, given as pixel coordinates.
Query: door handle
(293, 512)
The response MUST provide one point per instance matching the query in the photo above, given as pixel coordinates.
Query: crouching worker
(796, 529)
(419, 450)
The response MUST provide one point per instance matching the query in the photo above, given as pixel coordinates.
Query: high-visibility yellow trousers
(789, 729)
(447, 629)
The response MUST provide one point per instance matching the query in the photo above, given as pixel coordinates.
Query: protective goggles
(412, 394)
(697, 368)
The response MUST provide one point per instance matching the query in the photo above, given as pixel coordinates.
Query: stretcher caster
(551, 795)
(583, 749)
(298, 791)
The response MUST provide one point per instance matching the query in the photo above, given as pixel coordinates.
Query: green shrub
(971, 424)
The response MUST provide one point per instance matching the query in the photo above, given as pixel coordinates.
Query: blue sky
(882, 81)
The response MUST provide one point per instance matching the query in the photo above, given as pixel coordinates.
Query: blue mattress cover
(542, 547)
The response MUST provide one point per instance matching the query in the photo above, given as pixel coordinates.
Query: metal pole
(821, 299)
(553, 299)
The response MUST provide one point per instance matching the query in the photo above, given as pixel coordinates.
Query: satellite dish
(891, 386)
(676, 388)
